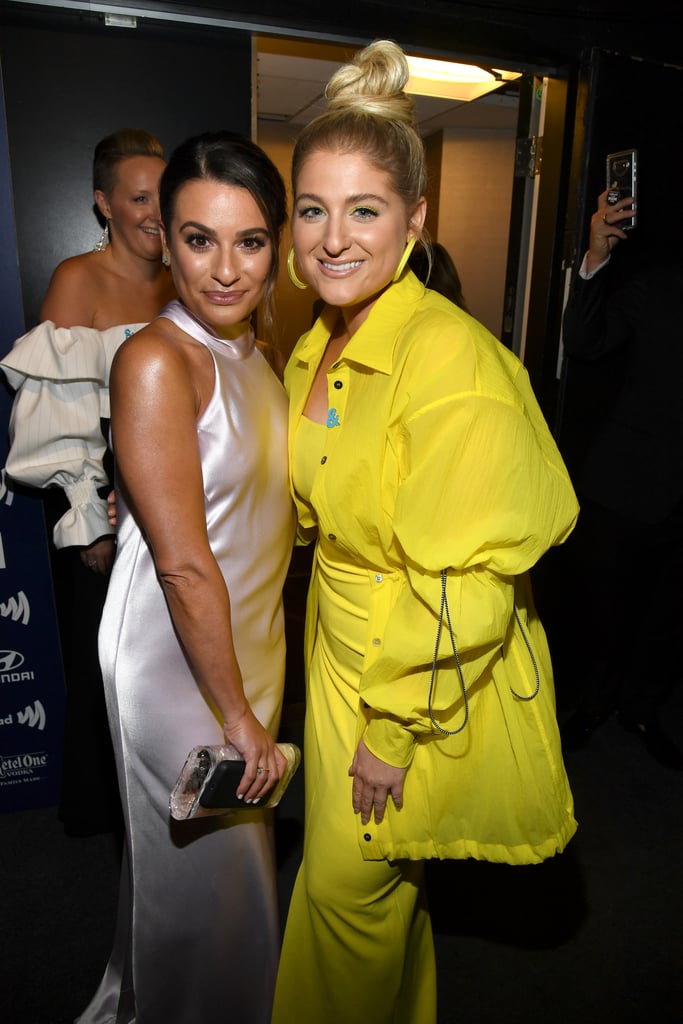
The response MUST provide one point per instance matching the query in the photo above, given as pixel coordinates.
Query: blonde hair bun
(373, 83)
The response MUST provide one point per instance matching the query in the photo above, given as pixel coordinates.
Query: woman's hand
(111, 509)
(264, 762)
(373, 781)
(605, 231)
(99, 557)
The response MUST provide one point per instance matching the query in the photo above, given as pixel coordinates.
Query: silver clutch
(211, 775)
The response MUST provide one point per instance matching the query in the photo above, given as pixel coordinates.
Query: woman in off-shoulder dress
(60, 371)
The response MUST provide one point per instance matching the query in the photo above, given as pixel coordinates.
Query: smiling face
(349, 229)
(132, 207)
(221, 253)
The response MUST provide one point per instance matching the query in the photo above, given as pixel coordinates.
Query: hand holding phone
(622, 182)
(210, 776)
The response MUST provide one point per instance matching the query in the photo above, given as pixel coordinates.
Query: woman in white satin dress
(192, 636)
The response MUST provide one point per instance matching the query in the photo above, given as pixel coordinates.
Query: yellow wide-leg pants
(358, 939)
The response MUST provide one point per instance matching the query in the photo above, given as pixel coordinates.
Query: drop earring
(410, 245)
(293, 276)
(165, 259)
(103, 242)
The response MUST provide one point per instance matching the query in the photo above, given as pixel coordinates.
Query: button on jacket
(437, 457)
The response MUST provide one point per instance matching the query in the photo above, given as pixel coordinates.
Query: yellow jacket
(438, 457)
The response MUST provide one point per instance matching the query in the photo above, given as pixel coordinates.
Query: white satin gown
(197, 936)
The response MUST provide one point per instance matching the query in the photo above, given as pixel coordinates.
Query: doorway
(471, 153)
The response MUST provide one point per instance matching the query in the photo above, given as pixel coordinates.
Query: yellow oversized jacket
(437, 456)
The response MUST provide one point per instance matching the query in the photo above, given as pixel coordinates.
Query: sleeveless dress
(198, 932)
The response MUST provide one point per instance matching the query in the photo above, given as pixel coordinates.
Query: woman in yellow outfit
(416, 446)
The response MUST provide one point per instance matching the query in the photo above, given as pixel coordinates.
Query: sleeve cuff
(588, 275)
(86, 520)
(390, 740)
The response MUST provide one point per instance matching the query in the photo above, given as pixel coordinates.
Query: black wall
(68, 83)
(542, 32)
(630, 104)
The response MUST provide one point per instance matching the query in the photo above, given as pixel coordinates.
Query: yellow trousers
(358, 939)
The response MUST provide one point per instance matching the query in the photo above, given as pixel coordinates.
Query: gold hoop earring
(293, 276)
(410, 245)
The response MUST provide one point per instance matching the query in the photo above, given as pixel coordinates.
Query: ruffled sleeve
(61, 379)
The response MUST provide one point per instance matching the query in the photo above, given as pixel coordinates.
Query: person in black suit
(628, 547)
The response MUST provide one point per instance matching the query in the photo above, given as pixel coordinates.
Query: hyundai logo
(10, 660)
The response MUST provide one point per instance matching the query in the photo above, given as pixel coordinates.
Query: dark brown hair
(231, 159)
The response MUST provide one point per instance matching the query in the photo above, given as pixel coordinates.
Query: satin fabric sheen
(197, 937)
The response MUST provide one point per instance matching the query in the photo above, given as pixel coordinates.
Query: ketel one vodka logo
(33, 716)
(17, 767)
(16, 608)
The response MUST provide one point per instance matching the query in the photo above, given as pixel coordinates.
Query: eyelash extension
(257, 240)
(194, 238)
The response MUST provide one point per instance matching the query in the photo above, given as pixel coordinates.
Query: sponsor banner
(31, 676)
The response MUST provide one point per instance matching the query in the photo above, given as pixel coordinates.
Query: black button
(338, 384)
(367, 837)
(323, 460)
(332, 536)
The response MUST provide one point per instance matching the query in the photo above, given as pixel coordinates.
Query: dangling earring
(104, 240)
(410, 245)
(165, 259)
(294, 278)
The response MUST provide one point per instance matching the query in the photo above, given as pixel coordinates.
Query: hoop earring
(103, 242)
(410, 245)
(293, 276)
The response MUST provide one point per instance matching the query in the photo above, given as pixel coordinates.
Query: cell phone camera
(621, 168)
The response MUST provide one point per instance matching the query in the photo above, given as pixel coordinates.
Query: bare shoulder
(69, 299)
(155, 342)
(159, 351)
(157, 370)
(79, 270)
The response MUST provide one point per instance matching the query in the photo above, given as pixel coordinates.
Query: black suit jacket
(634, 463)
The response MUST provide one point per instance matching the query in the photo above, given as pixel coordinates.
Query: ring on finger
(261, 771)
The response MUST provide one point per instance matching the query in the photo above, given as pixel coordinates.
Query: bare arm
(159, 471)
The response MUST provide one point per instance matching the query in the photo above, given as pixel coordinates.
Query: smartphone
(208, 781)
(220, 789)
(622, 180)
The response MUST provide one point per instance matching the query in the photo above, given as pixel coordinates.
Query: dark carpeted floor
(592, 937)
